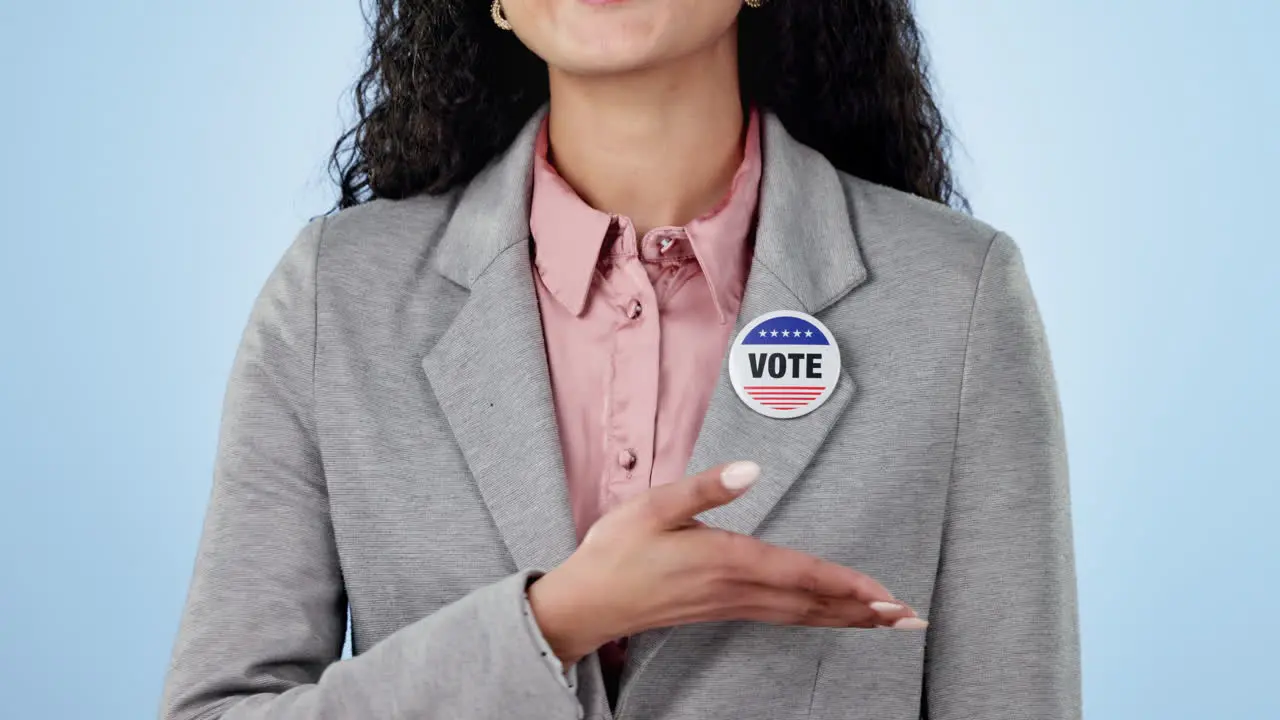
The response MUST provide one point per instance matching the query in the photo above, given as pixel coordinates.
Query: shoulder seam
(315, 308)
(964, 365)
(955, 440)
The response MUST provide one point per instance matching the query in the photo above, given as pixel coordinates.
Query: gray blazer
(389, 447)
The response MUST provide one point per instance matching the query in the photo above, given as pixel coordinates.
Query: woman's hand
(649, 564)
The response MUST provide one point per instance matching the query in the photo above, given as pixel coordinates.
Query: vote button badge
(784, 364)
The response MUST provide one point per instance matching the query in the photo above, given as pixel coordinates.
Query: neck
(660, 146)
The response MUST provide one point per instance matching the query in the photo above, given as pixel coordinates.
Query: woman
(465, 405)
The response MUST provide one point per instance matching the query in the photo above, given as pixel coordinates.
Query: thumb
(674, 505)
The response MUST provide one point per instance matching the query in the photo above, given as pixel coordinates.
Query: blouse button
(627, 459)
(634, 311)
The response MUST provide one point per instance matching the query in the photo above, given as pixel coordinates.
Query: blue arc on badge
(784, 330)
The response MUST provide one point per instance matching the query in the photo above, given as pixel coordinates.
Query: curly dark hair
(445, 90)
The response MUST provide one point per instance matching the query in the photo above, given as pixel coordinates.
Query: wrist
(558, 607)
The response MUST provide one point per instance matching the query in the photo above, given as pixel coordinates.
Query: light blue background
(158, 157)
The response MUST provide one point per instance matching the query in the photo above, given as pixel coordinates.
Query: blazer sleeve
(262, 632)
(1003, 639)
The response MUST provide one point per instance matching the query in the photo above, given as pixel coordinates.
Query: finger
(841, 621)
(789, 607)
(674, 505)
(759, 562)
(763, 603)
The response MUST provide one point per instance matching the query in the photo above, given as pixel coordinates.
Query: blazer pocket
(868, 674)
(739, 670)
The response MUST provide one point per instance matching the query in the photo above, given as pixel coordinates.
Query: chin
(603, 64)
(615, 55)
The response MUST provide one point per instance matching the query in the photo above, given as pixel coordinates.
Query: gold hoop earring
(500, 19)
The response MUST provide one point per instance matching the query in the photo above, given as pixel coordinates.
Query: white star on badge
(808, 333)
(763, 333)
(786, 334)
(774, 333)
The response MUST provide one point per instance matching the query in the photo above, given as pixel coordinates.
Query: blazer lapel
(733, 431)
(806, 258)
(489, 369)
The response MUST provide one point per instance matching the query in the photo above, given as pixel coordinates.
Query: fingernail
(911, 623)
(882, 606)
(739, 475)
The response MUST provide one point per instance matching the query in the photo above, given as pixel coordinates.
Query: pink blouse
(636, 329)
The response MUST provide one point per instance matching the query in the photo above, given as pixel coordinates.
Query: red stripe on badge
(784, 397)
